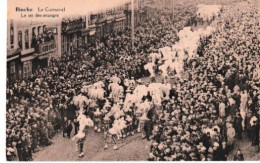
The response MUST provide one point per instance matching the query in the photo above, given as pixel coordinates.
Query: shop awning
(122, 18)
(27, 58)
(44, 56)
(12, 58)
(27, 51)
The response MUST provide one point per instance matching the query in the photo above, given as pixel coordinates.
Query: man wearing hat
(255, 130)
(148, 125)
(222, 153)
(238, 125)
(238, 156)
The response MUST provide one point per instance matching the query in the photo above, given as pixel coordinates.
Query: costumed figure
(106, 122)
(97, 120)
(80, 137)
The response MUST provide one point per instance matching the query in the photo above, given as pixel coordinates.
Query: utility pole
(132, 23)
(172, 8)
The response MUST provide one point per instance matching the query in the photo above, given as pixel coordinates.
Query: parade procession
(165, 80)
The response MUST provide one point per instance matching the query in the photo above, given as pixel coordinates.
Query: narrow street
(132, 148)
(250, 153)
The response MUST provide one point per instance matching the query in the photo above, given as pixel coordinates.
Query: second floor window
(26, 39)
(20, 39)
(12, 36)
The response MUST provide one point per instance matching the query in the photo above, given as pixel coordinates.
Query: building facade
(83, 31)
(102, 23)
(30, 45)
(71, 33)
(139, 12)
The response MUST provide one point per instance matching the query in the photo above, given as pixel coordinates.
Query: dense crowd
(218, 98)
(194, 123)
(37, 106)
(45, 36)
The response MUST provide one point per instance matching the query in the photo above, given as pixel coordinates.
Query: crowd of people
(198, 120)
(36, 107)
(218, 98)
(45, 36)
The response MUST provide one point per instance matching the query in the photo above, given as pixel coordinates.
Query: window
(26, 39)
(34, 39)
(45, 48)
(39, 30)
(12, 36)
(34, 32)
(12, 67)
(27, 69)
(20, 39)
(44, 28)
(78, 40)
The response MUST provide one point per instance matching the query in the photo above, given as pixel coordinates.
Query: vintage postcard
(133, 80)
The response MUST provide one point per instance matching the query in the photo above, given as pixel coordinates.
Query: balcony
(45, 47)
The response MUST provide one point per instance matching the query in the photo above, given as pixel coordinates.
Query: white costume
(166, 89)
(243, 107)
(83, 122)
(80, 101)
(149, 67)
(222, 109)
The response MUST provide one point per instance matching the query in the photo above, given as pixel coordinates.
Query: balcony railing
(45, 47)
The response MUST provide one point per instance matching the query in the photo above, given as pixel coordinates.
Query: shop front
(13, 65)
(27, 66)
(40, 63)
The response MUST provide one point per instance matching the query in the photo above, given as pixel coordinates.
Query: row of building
(30, 45)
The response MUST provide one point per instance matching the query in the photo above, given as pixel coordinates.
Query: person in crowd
(69, 128)
(64, 126)
(238, 125)
(76, 125)
(254, 131)
(223, 152)
(238, 156)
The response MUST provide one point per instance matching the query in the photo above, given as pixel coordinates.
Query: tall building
(139, 9)
(30, 45)
(104, 22)
(89, 33)
(82, 31)
(71, 37)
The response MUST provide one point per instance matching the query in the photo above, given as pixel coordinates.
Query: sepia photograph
(132, 80)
